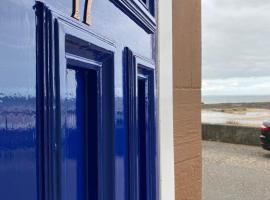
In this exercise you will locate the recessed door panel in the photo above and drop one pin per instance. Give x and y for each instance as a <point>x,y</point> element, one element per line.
<point>80,136</point>
<point>73,147</point>
<point>86,107</point>
<point>140,80</point>
<point>142,138</point>
<point>146,135</point>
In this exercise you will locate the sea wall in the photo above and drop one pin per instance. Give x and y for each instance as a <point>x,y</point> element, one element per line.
<point>231,134</point>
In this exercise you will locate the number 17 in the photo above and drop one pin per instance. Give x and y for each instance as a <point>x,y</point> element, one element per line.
<point>87,11</point>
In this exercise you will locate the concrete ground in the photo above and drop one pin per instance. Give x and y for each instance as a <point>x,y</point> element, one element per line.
<point>235,172</point>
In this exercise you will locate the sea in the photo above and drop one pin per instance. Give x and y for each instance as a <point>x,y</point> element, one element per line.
<point>213,99</point>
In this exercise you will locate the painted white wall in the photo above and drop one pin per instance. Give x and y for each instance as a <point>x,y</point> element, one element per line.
<point>165,90</point>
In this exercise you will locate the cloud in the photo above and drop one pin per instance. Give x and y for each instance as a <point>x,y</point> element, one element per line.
<point>237,86</point>
<point>236,38</point>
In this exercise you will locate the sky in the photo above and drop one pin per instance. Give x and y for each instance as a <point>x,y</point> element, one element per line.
<point>236,47</point>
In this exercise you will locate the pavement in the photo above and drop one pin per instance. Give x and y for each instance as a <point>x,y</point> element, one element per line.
<point>235,172</point>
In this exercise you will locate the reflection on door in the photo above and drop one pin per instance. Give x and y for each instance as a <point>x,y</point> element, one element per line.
<point>80,139</point>
<point>96,123</point>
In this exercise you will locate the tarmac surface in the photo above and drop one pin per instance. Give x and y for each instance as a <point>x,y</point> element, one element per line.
<point>235,172</point>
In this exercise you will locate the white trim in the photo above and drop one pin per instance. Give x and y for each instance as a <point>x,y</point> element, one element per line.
<point>165,89</point>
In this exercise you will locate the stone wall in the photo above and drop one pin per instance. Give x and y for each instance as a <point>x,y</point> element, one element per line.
<point>231,134</point>
<point>187,98</point>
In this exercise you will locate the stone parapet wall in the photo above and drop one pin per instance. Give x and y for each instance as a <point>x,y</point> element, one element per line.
<point>231,134</point>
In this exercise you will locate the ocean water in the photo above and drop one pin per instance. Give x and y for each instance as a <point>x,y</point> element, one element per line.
<point>235,99</point>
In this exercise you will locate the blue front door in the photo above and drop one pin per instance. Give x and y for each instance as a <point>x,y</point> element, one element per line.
<point>89,97</point>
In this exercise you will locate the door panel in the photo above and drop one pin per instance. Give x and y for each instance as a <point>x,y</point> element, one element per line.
<point>142,138</point>
<point>97,130</point>
<point>77,146</point>
<point>73,147</point>
<point>79,141</point>
<point>141,114</point>
<point>87,145</point>
<point>147,138</point>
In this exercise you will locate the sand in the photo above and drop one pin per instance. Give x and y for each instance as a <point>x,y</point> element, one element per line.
<point>242,114</point>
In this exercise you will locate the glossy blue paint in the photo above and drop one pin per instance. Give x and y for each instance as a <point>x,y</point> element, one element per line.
<point>141,115</point>
<point>72,140</point>
<point>44,151</point>
<point>18,178</point>
<point>142,11</point>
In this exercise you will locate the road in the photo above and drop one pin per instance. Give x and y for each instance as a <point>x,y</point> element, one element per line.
<point>235,172</point>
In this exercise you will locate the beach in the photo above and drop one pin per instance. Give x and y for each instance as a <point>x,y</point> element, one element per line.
<point>240,114</point>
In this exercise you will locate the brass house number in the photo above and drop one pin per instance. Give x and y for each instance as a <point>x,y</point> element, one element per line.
<point>87,11</point>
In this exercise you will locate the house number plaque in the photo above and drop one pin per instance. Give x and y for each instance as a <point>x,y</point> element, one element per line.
<point>87,11</point>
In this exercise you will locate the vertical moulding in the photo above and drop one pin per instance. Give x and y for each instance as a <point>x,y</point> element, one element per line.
<point>165,104</point>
